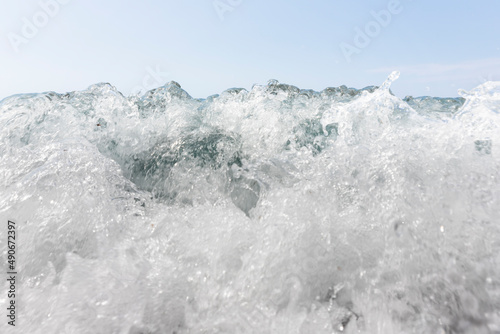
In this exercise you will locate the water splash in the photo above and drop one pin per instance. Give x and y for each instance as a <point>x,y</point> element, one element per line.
<point>390,79</point>
<point>274,210</point>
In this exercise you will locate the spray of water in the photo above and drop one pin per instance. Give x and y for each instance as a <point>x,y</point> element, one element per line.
<point>274,210</point>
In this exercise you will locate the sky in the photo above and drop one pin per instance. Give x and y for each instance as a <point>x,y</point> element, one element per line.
<point>209,46</point>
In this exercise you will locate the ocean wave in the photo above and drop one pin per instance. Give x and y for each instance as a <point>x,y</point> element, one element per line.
<point>274,210</point>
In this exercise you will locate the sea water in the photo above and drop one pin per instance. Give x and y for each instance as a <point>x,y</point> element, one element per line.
<point>274,210</point>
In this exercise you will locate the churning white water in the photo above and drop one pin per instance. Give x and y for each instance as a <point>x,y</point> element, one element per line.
<point>274,210</point>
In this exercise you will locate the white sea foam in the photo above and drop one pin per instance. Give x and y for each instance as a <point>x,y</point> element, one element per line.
<point>274,210</point>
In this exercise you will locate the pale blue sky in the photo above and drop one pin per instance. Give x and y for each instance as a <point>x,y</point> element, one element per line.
<point>439,46</point>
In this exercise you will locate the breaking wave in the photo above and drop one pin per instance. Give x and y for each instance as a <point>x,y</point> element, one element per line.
<point>274,210</point>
